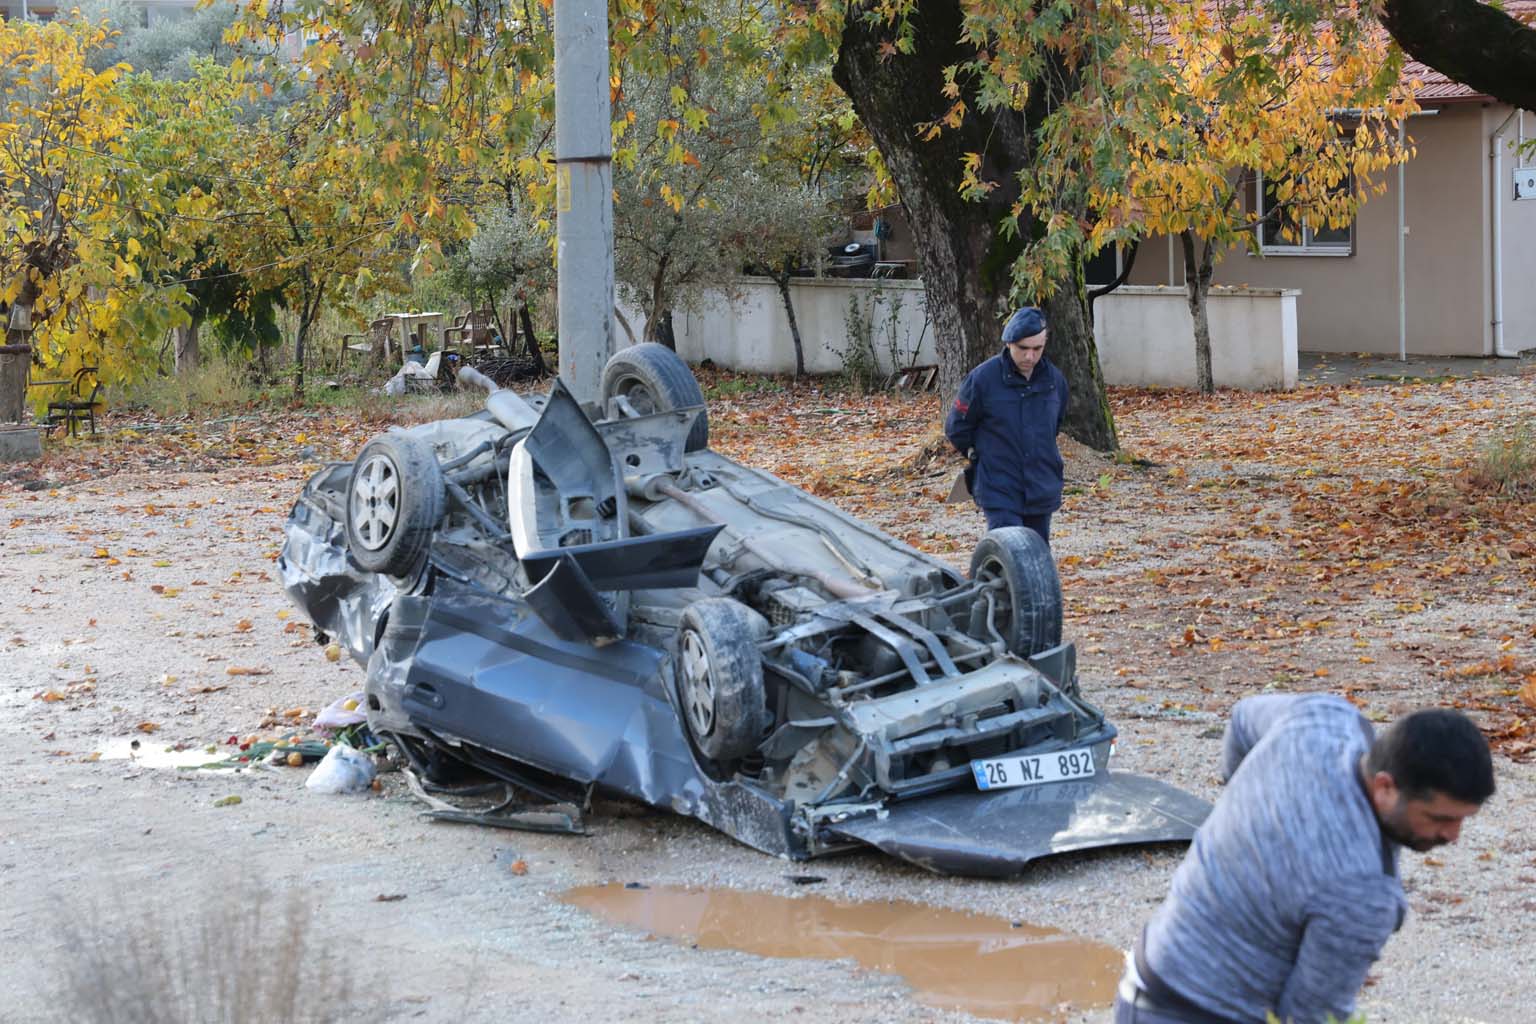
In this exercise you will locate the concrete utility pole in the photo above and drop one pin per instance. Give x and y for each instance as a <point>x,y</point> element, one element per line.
<point>584,166</point>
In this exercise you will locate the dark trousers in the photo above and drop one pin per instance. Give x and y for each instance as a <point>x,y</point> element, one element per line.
<point>1004,517</point>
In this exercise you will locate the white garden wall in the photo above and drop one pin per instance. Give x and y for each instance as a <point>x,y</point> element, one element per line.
<point>752,333</point>
<point>1144,333</point>
<point>1146,337</point>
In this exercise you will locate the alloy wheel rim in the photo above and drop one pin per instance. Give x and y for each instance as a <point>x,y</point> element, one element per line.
<point>698,687</point>
<point>375,502</point>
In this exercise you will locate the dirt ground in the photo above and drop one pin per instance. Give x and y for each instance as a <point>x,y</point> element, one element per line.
<point>1334,538</point>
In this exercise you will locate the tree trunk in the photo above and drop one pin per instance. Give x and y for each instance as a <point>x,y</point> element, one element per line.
<point>15,356</point>
<point>309,312</point>
<point>1088,414</point>
<point>658,328</point>
<point>659,308</point>
<point>188,354</point>
<point>298,356</point>
<point>782,279</point>
<point>16,359</point>
<point>531,340</point>
<point>966,260</point>
<point>1469,42</point>
<point>623,322</point>
<point>501,328</point>
<point>1197,287</point>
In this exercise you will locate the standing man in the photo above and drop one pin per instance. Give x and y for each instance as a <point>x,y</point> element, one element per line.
<point>1005,421</point>
<point>1290,889</point>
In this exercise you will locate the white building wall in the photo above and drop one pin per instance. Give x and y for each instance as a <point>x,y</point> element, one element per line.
<point>1350,302</point>
<point>1517,236</point>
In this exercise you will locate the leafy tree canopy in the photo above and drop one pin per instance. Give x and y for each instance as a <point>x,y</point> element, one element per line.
<point>88,226</point>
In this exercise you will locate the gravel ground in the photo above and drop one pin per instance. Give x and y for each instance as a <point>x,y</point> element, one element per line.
<point>130,596</point>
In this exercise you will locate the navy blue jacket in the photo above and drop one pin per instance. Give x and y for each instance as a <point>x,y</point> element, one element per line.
<point>1012,423</point>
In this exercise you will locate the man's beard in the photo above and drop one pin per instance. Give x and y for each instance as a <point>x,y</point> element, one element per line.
<point>1404,837</point>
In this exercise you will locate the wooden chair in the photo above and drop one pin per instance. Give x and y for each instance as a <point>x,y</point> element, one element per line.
<point>475,332</point>
<point>372,344</point>
<point>79,407</point>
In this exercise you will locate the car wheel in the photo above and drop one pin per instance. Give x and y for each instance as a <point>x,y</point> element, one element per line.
<point>720,678</point>
<point>394,501</point>
<point>1027,610</point>
<point>655,379</point>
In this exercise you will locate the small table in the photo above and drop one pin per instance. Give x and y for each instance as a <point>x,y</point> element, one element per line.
<point>409,326</point>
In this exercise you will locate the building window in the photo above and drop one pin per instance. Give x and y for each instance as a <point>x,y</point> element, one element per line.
<point>1104,267</point>
<point>1282,233</point>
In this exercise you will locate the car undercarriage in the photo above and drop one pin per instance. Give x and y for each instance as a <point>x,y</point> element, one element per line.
<point>591,600</point>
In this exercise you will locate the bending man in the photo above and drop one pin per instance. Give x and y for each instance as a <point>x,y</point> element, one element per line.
<point>1291,889</point>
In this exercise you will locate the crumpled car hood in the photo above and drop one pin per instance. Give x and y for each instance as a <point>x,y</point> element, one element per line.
<point>998,834</point>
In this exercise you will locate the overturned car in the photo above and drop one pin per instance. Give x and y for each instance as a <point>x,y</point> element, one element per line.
<point>578,600</point>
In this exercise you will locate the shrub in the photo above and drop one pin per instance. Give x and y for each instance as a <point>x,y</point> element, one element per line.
<point>1508,464</point>
<point>240,956</point>
<point>222,382</point>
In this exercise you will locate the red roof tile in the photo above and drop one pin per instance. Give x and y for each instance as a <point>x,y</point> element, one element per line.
<point>1435,88</point>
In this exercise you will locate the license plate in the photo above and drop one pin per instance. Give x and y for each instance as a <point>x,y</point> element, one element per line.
<point>1032,769</point>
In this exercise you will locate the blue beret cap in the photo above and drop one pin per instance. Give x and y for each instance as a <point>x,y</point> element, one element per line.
<point>1026,323</point>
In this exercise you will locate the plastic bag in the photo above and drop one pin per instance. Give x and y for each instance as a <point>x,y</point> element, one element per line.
<point>341,770</point>
<point>338,716</point>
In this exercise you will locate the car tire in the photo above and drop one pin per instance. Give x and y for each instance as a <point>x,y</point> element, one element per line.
<point>720,678</point>
<point>394,501</point>
<point>1029,609</point>
<point>655,379</point>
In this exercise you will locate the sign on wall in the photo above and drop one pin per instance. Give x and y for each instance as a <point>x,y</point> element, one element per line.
<point>1525,182</point>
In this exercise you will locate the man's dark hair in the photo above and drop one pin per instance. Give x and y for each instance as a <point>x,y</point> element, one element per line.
<point>1435,751</point>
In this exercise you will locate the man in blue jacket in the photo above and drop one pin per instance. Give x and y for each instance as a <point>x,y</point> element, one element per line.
<point>1005,421</point>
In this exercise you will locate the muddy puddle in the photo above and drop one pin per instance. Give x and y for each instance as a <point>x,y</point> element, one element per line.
<point>987,966</point>
<point>150,754</point>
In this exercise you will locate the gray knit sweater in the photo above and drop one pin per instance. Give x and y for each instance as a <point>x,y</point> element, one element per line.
<point>1290,889</point>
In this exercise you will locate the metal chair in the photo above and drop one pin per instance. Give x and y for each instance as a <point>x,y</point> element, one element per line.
<point>79,407</point>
